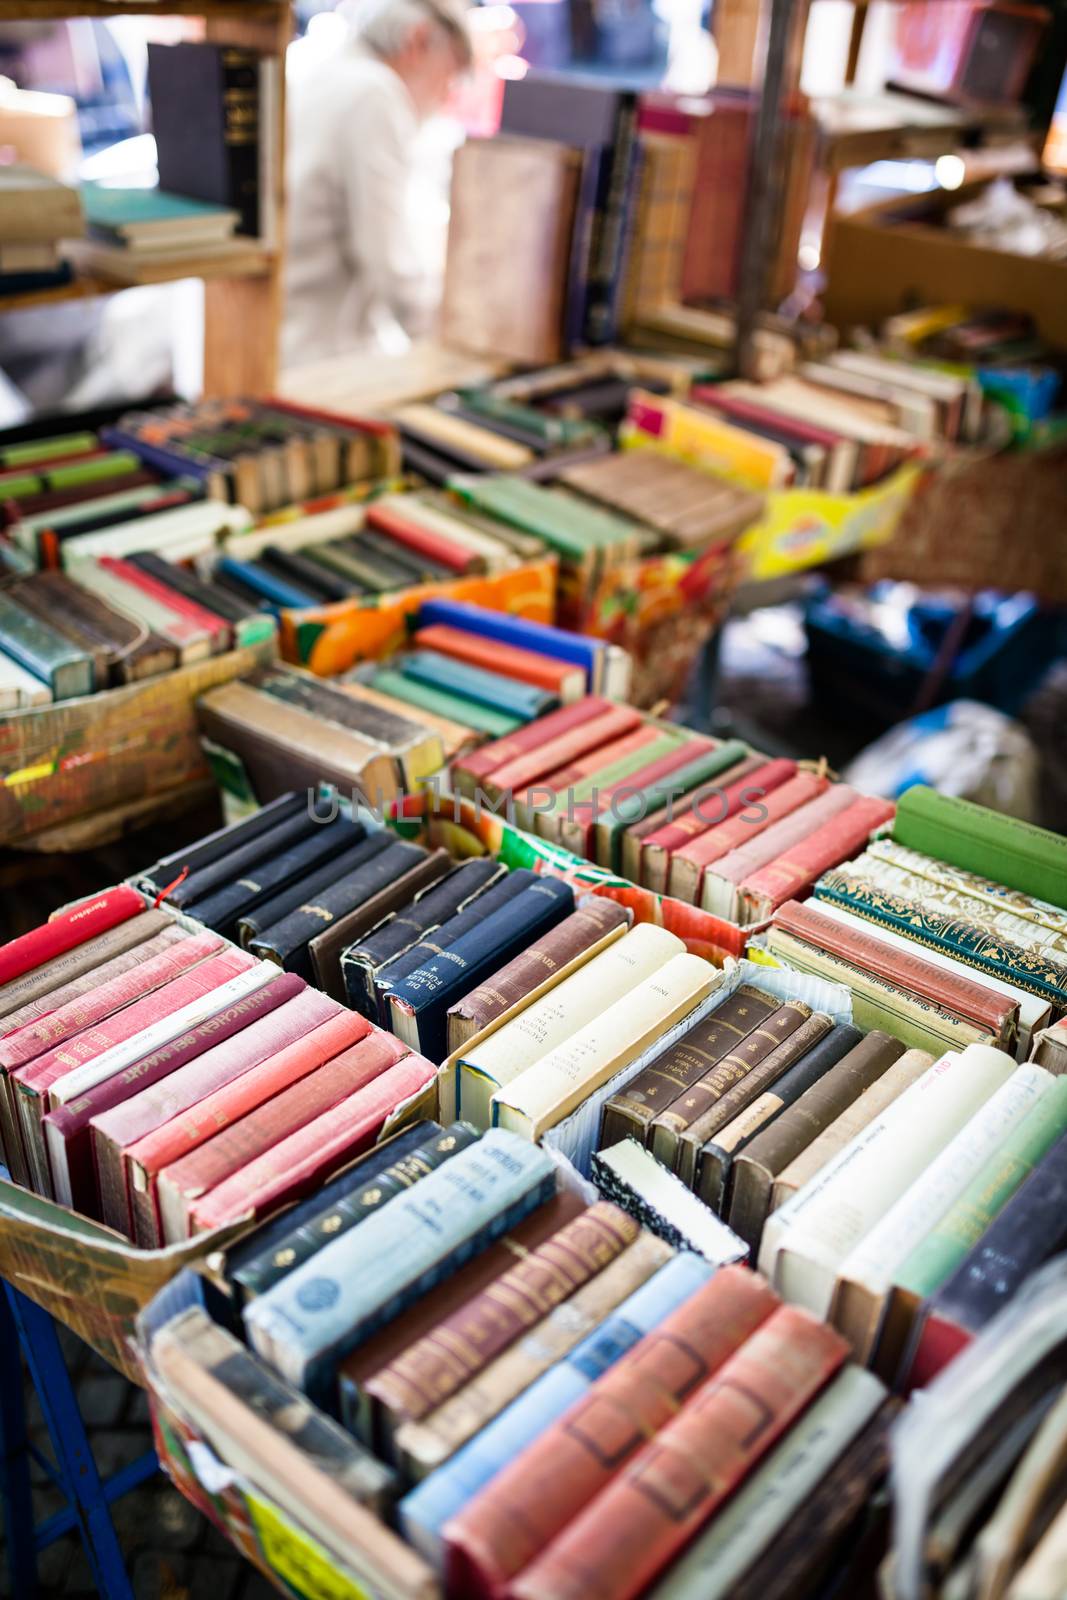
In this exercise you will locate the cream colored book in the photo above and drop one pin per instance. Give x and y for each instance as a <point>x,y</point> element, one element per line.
<point>905,1071</point>
<point>423,1446</point>
<point>740,1534</point>
<point>866,1274</point>
<point>1052,918</point>
<point>545,1023</point>
<point>504,455</point>
<point>1034,1012</point>
<point>561,1079</point>
<point>1044,1575</point>
<point>805,1242</point>
<point>494,551</point>
<point>1039,1476</point>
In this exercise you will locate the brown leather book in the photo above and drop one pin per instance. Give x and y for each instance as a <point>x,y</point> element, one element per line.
<point>687,505</point>
<point>735,1083</point>
<point>709,1089</point>
<point>326,948</point>
<point>359,1368</point>
<point>634,1110</point>
<point>435,1367</point>
<point>756,1167</point>
<point>550,958</point>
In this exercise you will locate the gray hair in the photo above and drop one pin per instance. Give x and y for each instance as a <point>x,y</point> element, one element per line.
<point>385,26</point>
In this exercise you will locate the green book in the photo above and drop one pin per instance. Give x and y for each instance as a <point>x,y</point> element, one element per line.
<point>564,522</point>
<point>67,671</point>
<point>69,444</point>
<point>611,829</point>
<point>484,719</point>
<point>112,208</point>
<point>943,1249</point>
<point>1015,853</point>
<point>118,464</point>
<point>576,793</point>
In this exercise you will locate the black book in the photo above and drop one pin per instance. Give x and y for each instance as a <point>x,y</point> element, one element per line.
<point>309,693</point>
<point>226,905</point>
<point>411,568</point>
<point>227,868</point>
<point>240,591</point>
<point>434,906</point>
<point>214,845</point>
<point>205,116</point>
<point>432,462</point>
<point>298,569</point>
<point>268,912</point>
<point>184,582</point>
<point>287,941</point>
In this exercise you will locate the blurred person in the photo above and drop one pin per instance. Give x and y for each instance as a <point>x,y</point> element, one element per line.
<point>357,273</point>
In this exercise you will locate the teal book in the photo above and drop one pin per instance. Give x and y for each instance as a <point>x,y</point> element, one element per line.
<point>110,209</point>
<point>67,671</point>
<point>307,1323</point>
<point>443,703</point>
<point>493,689</point>
<point>572,527</point>
<point>1014,853</point>
<point>424,1512</point>
<point>981,948</point>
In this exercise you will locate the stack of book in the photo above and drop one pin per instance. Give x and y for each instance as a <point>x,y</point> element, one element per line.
<point>131,1040</point>
<point>477,430</point>
<point>37,214</point>
<point>137,235</point>
<point>709,822</point>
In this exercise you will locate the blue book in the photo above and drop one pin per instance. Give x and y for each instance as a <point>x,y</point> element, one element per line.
<point>519,631</point>
<point>418,1004</point>
<point>485,688</point>
<point>173,463</point>
<point>318,1314</point>
<point>424,1512</point>
<point>275,590</point>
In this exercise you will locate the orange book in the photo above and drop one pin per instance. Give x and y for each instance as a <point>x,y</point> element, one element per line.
<point>558,677</point>
<point>522,1509</point>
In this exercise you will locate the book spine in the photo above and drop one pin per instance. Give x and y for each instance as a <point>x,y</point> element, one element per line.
<point>67,929</point>
<point>678,1480</point>
<point>784,878</point>
<point>494,689</point>
<point>563,1471</point>
<point>538,671</point>
<point>1025,906</point>
<point>550,755</point>
<point>725,837</point>
<point>241,134</point>
<point>315,1150</point>
<point>286,941</point>
<point>426,1374</point>
<point>263,1272</point>
<point>710,810</point>
<point>473,768</point>
<point>1014,853</point>
<point>403,1251</point>
<point>128,954</point>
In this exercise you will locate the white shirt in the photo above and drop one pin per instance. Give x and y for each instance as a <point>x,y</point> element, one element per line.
<point>353,269</point>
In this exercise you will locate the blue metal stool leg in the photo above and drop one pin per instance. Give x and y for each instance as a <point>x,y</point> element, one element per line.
<point>88,1497</point>
<point>15,1491</point>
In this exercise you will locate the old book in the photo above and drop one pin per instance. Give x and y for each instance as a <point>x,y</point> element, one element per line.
<point>797,869</point>
<point>331,1513</point>
<point>423,1446</point>
<point>484,721</point>
<point>48,654</point>
<point>281,745</point>
<point>430,1371</point>
<point>738,793</point>
<point>401,1251</point>
<point>67,929</point>
<point>272,891</point>
<point>455,737</point>
<point>19,689</point>
<point>689,860</point>
<point>327,948</point>
<point>815,1047</point>
<point>805,1241</point>
<point>303,1159</point>
<point>1050,1049</point>
<point>544,1093</point>
<point>680,1132</point>
<point>575,820</point>
<point>1031,1227</point>
<point>566,733</point>
<point>547,962</point>
<point>688,774</point>
<point>213,846</point>
<point>906,1070</point>
<point>492,1063</point>
<point>116,1134</point>
<point>720,890</point>
<point>866,1274</point>
<point>236,1144</point>
<point>732,1548</point>
<point>566,683</point>
<point>534,187</point>
<point>497,690</point>
<point>638,1183</point>
<point>195,883</point>
<point>687,505</point>
<point>756,1167</point>
<point>558,791</point>
<point>419,1003</point>
<point>1031,1499</point>
<point>344,1207</point>
<point>970,836</point>
<point>575,1458</point>
<point>1050,921</point>
<point>680,1477</point>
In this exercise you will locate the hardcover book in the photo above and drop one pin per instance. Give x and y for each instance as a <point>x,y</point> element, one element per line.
<point>784,878</point>
<point>349,848</point>
<point>742,789</point>
<point>44,652</point>
<point>566,733</point>
<point>689,860</point>
<point>67,929</point>
<point>327,948</point>
<point>642,1186</point>
<point>970,836</point>
<point>720,891</point>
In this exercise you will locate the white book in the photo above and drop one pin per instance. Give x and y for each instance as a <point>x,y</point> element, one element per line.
<point>104,1066</point>
<point>867,1272</point>
<point>544,1024</point>
<point>924,380</point>
<point>632,1177</point>
<point>1034,1013</point>
<point>560,1080</point>
<point>200,524</point>
<point>805,1242</point>
<point>193,644</point>
<point>19,689</point>
<point>740,1534</point>
<point>915,412</point>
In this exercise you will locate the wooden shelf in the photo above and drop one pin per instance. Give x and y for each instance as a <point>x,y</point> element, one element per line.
<point>91,285</point>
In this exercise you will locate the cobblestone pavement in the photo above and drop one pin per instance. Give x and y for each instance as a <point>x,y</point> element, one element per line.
<point>171,1551</point>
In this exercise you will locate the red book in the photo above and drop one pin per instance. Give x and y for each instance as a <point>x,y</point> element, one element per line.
<point>530,1502</point>
<point>471,769</point>
<point>564,779</point>
<point>677,1481</point>
<point>526,666</point>
<point>360,424</point>
<point>49,1031</point>
<point>827,847</point>
<point>658,847</point>
<point>306,1159</point>
<point>238,1143</point>
<point>301,1045</point>
<point>689,860</point>
<point>206,621</point>
<point>115,1132</point>
<point>67,1132</point>
<point>737,409</point>
<point>68,928</point>
<point>968,999</point>
<point>940,1341</point>
<point>447,551</point>
<point>519,774</point>
<point>578,831</point>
